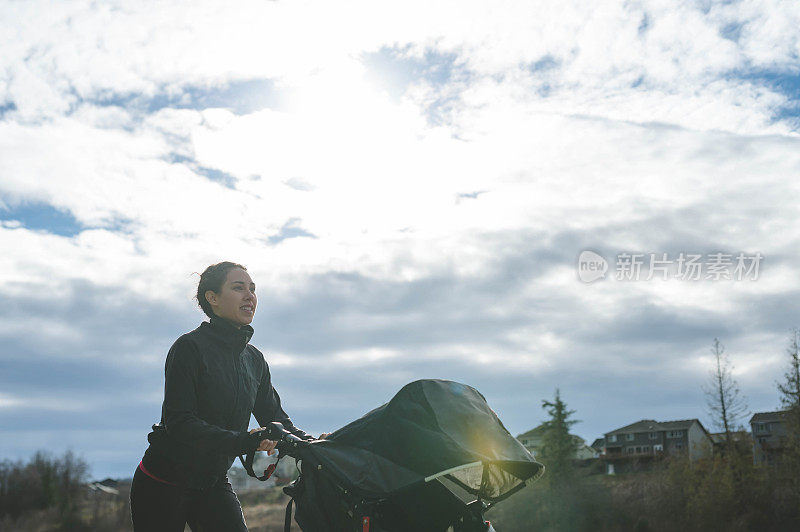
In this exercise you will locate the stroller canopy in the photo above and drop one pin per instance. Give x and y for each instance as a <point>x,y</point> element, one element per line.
<point>430,431</point>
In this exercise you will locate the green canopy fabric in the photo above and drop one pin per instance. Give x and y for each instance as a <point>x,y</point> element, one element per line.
<point>430,431</point>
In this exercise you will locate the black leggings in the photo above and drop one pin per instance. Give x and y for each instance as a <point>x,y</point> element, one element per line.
<point>159,507</point>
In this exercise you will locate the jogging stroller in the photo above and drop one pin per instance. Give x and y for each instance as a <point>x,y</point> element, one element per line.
<point>433,457</point>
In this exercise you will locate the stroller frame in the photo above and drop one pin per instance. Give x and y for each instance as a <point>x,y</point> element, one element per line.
<point>435,456</point>
<point>368,512</point>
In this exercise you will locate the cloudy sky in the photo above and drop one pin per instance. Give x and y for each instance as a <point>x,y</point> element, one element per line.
<point>410,185</point>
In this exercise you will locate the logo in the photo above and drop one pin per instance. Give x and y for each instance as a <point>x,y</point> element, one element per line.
<point>683,266</point>
<point>591,266</point>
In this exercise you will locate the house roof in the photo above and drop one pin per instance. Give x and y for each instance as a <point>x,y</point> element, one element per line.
<point>736,435</point>
<point>651,425</point>
<point>639,426</point>
<point>537,431</point>
<point>761,417</point>
<point>598,443</point>
<point>680,424</point>
<point>577,439</point>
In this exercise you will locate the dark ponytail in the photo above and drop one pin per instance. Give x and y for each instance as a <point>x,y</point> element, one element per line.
<point>212,279</point>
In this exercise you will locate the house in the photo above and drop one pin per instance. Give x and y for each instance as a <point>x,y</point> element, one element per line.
<point>98,488</point>
<point>769,436</point>
<point>533,442</point>
<point>635,446</point>
<point>738,437</point>
<point>597,445</point>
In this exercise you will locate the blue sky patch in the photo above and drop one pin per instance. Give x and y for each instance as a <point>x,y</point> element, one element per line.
<point>470,195</point>
<point>119,225</point>
<point>786,83</point>
<point>441,108</point>
<point>544,63</point>
<point>291,229</point>
<point>394,71</point>
<point>218,176</point>
<point>732,32</point>
<point>213,174</point>
<point>43,217</point>
<point>7,107</point>
<point>644,25</point>
<point>240,97</point>
<point>783,82</point>
<point>540,68</point>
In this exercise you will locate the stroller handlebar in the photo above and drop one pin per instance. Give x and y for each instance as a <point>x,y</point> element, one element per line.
<point>288,445</point>
<point>287,442</point>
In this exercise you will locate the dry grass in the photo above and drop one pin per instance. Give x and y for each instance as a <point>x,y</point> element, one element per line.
<point>263,509</point>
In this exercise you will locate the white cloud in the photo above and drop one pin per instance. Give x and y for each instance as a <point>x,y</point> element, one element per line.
<point>53,404</point>
<point>624,126</point>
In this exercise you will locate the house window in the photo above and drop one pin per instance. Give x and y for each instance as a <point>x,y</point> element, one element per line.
<point>629,437</point>
<point>762,439</point>
<point>524,442</point>
<point>762,427</point>
<point>630,450</point>
<point>675,434</point>
<point>645,448</point>
<point>658,447</point>
<point>653,435</point>
<point>679,446</point>
<point>612,438</point>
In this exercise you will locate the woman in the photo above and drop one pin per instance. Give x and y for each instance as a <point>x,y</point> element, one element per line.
<point>214,380</point>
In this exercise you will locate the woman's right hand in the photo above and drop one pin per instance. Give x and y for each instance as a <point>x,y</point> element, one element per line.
<point>265,445</point>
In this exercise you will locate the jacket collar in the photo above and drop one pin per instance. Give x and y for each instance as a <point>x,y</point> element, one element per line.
<point>230,333</point>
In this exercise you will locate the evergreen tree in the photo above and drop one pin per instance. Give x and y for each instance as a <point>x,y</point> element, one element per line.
<point>726,404</point>
<point>558,445</point>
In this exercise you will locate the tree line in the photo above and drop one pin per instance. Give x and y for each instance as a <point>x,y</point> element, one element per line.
<point>43,483</point>
<point>725,491</point>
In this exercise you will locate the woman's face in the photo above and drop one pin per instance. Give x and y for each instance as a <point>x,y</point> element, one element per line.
<point>236,300</point>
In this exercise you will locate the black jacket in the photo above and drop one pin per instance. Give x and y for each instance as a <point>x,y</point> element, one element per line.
<point>214,379</point>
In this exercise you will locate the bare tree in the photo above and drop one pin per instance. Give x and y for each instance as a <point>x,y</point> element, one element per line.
<point>790,400</point>
<point>790,387</point>
<point>726,404</point>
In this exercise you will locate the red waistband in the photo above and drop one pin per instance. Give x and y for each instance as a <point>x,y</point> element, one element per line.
<point>149,474</point>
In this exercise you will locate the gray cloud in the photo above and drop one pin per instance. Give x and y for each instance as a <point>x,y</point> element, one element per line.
<point>85,365</point>
<point>611,372</point>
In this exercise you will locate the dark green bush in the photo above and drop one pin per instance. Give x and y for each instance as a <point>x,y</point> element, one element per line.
<point>43,482</point>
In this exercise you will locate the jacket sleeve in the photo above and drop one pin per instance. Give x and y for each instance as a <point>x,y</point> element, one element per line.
<point>179,411</point>
<point>268,407</point>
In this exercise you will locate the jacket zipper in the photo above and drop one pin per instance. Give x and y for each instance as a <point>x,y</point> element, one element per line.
<point>236,363</point>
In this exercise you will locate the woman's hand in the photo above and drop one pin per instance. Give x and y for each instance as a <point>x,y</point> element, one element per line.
<point>265,445</point>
